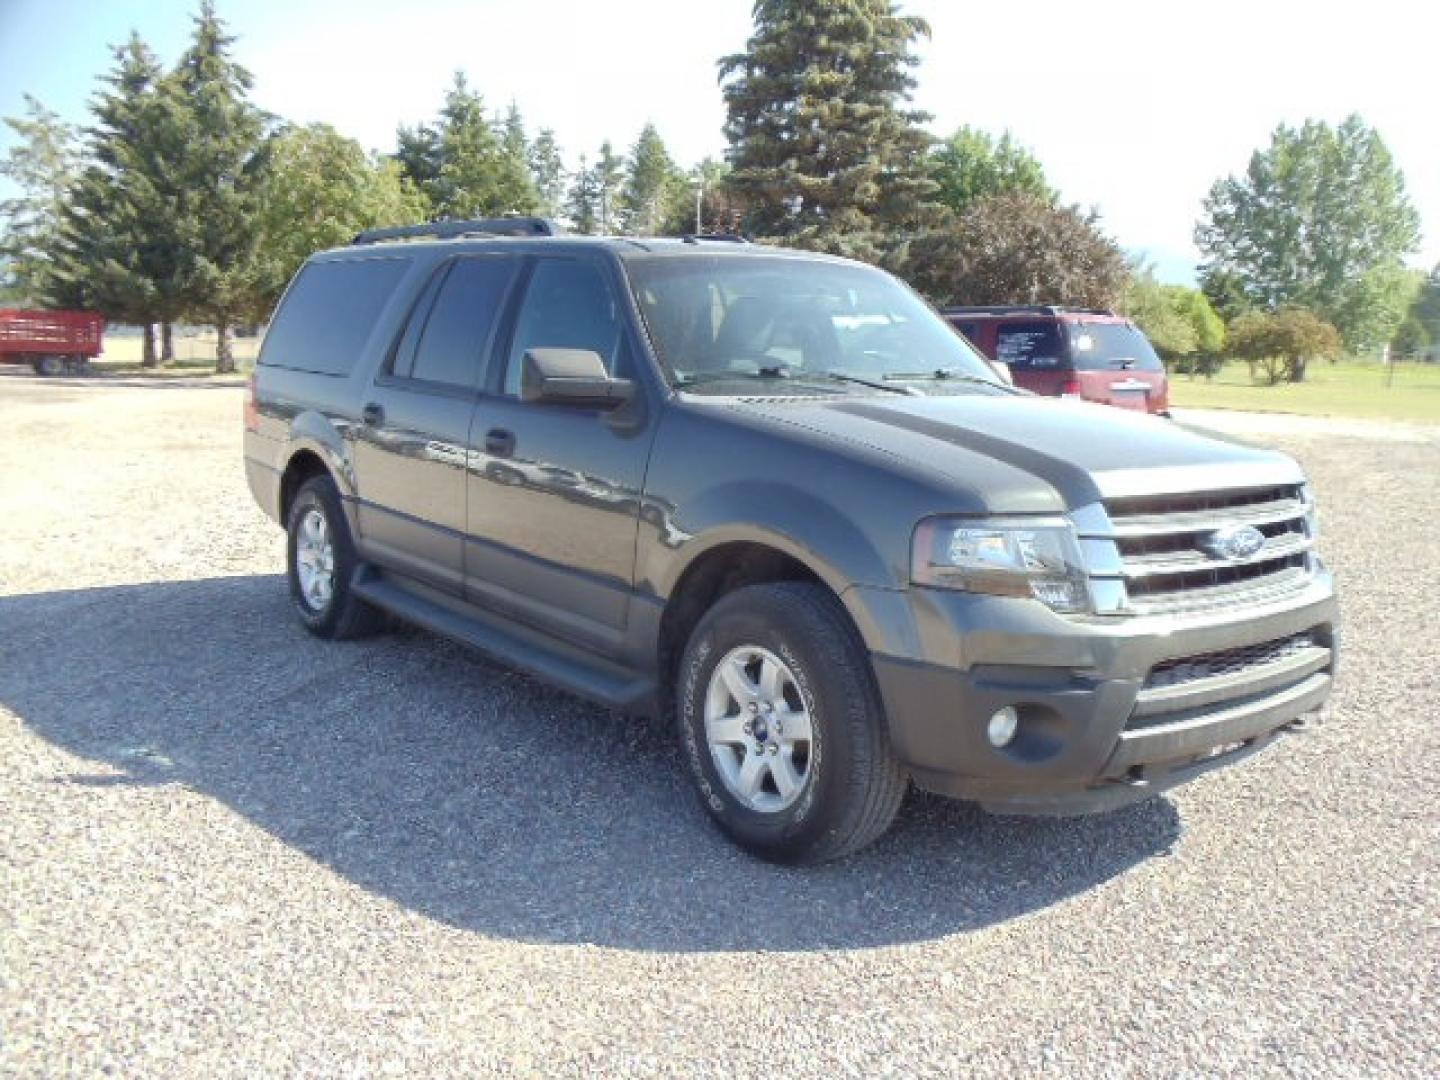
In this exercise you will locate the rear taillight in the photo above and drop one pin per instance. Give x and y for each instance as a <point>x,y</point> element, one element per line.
<point>1070,387</point>
<point>252,410</point>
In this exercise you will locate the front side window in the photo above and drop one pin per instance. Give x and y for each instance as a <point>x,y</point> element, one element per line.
<point>569,304</point>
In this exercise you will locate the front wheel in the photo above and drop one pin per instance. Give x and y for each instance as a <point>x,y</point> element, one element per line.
<point>47,365</point>
<point>781,726</point>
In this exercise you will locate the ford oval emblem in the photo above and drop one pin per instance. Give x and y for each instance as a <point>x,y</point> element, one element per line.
<point>1234,542</point>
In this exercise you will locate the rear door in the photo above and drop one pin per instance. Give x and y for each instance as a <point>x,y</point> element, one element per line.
<point>410,450</point>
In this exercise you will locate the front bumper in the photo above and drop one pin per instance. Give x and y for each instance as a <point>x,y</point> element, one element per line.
<point>1093,733</point>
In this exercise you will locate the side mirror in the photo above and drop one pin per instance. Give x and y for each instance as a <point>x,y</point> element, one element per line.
<point>571,377</point>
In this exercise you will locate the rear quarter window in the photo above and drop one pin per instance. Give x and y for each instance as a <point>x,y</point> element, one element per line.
<point>1034,346</point>
<point>329,312</point>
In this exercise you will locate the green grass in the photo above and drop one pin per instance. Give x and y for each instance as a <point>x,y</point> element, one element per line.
<point>1357,390</point>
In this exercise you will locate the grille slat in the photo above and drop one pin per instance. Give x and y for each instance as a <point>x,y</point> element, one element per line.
<point>1165,566</point>
<point>1186,669</point>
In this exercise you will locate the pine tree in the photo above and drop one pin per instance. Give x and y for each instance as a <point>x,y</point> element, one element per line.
<point>516,184</point>
<point>42,163</point>
<point>547,171</point>
<point>583,207</point>
<point>822,145</point>
<point>223,169</point>
<point>653,186</point>
<point>418,155</point>
<point>117,247</point>
<point>609,184</point>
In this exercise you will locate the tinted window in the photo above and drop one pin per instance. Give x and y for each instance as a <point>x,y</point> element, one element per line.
<point>1032,345</point>
<point>1111,347</point>
<point>452,345</point>
<point>569,305</point>
<point>329,312</point>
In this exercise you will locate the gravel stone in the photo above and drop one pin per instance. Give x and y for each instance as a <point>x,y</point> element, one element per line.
<point>229,849</point>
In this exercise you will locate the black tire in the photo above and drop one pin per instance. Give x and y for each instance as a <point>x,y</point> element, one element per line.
<point>344,615</point>
<point>854,785</point>
<point>48,366</point>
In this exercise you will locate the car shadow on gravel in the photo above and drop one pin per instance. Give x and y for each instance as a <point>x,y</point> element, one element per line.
<point>478,797</point>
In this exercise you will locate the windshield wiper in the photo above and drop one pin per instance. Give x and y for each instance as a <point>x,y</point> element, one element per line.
<point>694,378</point>
<point>944,375</point>
<point>874,384</point>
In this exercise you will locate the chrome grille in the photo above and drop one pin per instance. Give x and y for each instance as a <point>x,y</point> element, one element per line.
<point>1147,554</point>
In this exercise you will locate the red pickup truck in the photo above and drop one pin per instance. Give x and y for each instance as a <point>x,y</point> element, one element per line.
<point>50,341</point>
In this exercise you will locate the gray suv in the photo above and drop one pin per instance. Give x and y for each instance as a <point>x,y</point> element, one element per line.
<point>774,495</point>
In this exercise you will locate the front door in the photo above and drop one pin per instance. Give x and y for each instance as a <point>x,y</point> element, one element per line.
<point>410,450</point>
<point>554,490</point>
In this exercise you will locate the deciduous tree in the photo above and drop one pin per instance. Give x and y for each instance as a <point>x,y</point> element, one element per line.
<point>1017,249</point>
<point>972,164</point>
<point>1281,344</point>
<point>1321,219</point>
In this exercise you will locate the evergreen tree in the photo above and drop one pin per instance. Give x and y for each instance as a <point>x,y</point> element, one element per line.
<point>515,180</point>
<point>42,163</point>
<point>117,248</point>
<point>547,172</point>
<point>223,173</point>
<point>583,207</point>
<point>653,186</point>
<point>821,142</point>
<point>418,156</point>
<point>609,186</point>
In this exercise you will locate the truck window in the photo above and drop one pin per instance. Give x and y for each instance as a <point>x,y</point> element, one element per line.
<point>1030,345</point>
<point>454,342</point>
<point>569,305</point>
<point>329,312</point>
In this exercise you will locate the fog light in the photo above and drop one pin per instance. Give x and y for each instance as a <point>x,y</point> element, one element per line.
<point>1001,728</point>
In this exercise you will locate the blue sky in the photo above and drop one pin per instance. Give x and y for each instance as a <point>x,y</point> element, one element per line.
<point>1135,108</point>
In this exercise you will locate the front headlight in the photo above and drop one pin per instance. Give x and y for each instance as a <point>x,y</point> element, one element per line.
<point>1035,557</point>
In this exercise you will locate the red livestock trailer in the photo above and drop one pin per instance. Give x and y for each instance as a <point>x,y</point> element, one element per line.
<point>50,341</point>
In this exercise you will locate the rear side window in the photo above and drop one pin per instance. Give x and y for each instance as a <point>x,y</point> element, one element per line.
<point>329,312</point>
<point>452,345</point>
<point>1031,345</point>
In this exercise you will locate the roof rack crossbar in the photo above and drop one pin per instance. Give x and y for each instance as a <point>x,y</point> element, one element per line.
<point>1022,309</point>
<point>445,230</point>
<point>727,238</point>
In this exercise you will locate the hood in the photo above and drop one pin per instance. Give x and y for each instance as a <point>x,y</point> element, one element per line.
<point>991,445</point>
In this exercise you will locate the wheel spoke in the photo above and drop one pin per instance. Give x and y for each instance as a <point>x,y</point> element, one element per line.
<point>727,729</point>
<point>737,682</point>
<point>782,768</point>
<point>794,725</point>
<point>771,680</point>
<point>752,772</point>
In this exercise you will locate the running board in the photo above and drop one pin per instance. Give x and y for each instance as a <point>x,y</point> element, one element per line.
<point>514,645</point>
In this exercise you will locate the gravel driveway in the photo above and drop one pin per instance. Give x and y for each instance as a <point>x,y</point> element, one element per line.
<point>229,849</point>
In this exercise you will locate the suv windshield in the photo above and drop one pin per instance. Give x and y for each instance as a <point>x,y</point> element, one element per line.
<point>1099,346</point>
<point>717,319</point>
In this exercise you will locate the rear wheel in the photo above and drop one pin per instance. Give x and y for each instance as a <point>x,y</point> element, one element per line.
<point>321,563</point>
<point>781,726</point>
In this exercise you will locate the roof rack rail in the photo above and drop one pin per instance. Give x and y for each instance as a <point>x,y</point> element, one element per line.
<point>727,238</point>
<point>1022,309</point>
<point>445,230</point>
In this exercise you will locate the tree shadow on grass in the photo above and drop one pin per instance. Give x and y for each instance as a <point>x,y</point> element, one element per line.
<point>481,798</point>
